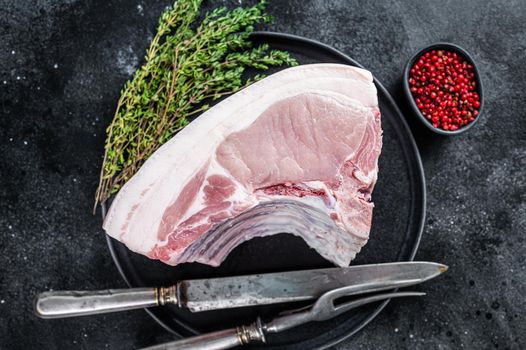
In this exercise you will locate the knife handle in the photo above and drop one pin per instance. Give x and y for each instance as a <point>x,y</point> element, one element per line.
<point>59,304</point>
<point>219,340</point>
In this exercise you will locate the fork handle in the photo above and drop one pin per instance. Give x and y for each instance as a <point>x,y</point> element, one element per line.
<point>219,340</point>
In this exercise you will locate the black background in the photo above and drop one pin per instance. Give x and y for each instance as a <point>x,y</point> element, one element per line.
<point>62,64</point>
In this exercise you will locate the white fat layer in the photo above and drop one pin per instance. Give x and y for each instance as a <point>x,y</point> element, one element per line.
<point>170,168</point>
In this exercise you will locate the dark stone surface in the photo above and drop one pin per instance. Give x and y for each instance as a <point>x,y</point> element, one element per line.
<point>62,64</point>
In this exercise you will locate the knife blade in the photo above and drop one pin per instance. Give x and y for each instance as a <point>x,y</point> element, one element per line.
<point>230,292</point>
<point>272,288</point>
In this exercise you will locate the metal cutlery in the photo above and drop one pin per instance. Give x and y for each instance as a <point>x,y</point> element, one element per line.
<point>230,292</point>
<point>326,307</point>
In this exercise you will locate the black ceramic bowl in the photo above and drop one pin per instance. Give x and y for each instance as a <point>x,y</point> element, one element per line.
<point>412,103</point>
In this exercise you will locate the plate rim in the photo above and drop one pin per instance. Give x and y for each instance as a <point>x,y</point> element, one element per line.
<point>261,35</point>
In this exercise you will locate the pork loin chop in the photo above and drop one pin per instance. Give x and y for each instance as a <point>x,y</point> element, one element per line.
<point>295,152</point>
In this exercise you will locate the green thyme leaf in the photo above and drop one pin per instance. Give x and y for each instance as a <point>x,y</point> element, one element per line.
<point>186,65</point>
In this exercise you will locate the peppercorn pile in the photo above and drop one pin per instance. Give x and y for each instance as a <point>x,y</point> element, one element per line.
<point>444,88</point>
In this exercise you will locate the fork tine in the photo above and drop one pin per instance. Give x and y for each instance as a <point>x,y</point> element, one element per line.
<point>326,308</point>
<point>325,300</point>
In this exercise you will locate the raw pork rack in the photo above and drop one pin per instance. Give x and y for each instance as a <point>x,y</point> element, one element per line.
<point>296,152</point>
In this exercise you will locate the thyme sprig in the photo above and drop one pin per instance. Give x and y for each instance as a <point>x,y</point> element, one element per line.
<point>186,65</point>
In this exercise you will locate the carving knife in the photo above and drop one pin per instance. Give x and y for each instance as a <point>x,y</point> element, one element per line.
<point>231,292</point>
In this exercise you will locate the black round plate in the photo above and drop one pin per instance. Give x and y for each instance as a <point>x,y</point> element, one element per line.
<point>398,219</point>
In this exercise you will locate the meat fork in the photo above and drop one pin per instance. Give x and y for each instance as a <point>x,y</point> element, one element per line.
<point>326,307</point>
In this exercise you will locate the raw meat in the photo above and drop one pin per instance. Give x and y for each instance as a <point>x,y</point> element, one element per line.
<point>295,152</point>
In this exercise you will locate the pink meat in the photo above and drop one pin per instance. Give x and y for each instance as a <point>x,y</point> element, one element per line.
<point>298,147</point>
